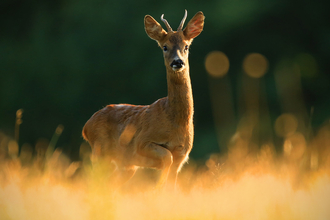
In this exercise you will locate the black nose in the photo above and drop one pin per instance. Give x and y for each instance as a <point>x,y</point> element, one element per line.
<point>177,64</point>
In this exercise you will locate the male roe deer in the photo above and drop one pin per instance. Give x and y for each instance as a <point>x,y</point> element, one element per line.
<point>159,135</point>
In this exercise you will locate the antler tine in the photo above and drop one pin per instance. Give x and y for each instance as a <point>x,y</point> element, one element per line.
<point>166,23</point>
<point>183,20</point>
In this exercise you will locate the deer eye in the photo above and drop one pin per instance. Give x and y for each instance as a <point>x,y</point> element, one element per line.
<point>165,48</point>
<point>186,48</point>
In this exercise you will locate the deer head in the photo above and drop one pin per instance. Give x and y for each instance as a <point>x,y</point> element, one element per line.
<point>175,44</point>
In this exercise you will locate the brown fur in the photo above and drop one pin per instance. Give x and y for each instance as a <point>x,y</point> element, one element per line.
<point>159,135</point>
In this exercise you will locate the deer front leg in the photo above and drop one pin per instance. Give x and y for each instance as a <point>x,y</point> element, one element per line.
<point>153,155</point>
<point>173,174</point>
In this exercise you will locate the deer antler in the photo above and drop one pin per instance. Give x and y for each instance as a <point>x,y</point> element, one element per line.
<point>183,20</point>
<point>166,23</point>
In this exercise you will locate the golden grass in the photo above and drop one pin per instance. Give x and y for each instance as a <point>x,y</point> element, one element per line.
<point>239,185</point>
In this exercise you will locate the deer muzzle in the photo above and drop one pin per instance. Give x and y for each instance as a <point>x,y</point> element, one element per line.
<point>177,64</point>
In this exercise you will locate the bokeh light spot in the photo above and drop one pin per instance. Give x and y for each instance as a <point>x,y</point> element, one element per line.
<point>255,65</point>
<point>286,125</point>
<point>217,64</point>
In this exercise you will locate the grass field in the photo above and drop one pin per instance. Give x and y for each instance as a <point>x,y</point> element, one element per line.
<point>237,185</point>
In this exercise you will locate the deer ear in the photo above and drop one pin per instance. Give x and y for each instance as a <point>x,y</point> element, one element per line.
<point>153,28</point>
<point>195,26</point>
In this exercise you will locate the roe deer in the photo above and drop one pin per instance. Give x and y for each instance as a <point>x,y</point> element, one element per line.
<point>159,135</point>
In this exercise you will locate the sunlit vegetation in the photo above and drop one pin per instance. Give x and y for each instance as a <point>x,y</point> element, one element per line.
<point>241,184</point>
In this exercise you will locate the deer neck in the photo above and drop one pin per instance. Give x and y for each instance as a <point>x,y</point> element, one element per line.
<point>180,98</point>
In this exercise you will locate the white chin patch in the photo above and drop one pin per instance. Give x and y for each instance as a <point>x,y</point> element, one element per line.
<point>176,68</point>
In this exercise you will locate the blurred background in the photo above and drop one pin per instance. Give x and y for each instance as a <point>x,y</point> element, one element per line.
<point>259,69</point>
